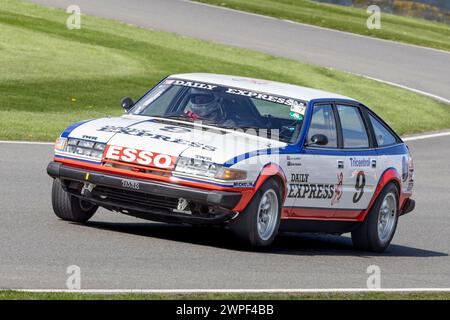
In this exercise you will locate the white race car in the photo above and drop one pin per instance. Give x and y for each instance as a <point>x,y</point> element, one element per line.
<point>256,156</point>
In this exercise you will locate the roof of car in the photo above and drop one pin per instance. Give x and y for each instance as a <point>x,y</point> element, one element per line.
<point>263,86</point>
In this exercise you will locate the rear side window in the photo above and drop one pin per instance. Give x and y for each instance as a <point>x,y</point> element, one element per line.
<point>354,132</point>
<point>382,134</point>
<point>323,122</point>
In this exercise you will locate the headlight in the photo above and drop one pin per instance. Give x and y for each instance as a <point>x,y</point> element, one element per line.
<point>85,148</point>
<point>86,144</point>
<point>96,154</point>
<point>196,167</point>
<point>208,169</point>
<point>60,144</point>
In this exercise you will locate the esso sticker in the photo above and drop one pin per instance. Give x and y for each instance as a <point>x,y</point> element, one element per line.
<point>140,157</point>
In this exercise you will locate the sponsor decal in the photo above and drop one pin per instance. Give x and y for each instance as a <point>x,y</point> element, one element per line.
<point>139,157</point>
<point>359,186</point>
<point>293,161</point>
<point>311,191</point>
<point>299,108</point>
<point>296,116</point>
<point>242,184</point>
<point>152,135</point>
<point>338,189</point>
<point>263,96</point>
<point>299,177</point>
<point>89,137</point>
<point>130,184</point>
<point>360,162</point>
<point>301,189</point>
<point>191,84</point>
<point>204,158</point>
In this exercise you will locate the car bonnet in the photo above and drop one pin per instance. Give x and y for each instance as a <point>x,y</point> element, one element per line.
<point>174,138</point>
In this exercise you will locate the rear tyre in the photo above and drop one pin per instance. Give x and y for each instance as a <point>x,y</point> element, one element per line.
<point>378,229</point>
<point>258,224</point>
<point>68,207</point>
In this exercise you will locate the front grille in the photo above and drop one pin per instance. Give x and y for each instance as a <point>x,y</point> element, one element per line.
<point>134,198</point>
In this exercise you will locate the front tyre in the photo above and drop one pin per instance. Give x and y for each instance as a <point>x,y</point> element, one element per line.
<point>68,207</point>
<point>258,224</point>
<point>378,229</point>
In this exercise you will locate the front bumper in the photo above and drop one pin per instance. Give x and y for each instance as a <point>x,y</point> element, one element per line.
<point>143,196</point>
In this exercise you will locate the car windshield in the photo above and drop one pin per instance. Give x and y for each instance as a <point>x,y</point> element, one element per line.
<point>276,117</point>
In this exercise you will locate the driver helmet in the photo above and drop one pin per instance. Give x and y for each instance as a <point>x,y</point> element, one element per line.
<point>205,104</point>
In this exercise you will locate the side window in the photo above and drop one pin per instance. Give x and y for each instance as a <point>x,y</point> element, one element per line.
<point>382,134</point>
<point>353,130</point>
<point>323,122</point>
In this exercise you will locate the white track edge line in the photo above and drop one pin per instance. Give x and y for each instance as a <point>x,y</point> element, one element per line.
<point>424,93</point>
<point>334,290</point>
<point>426,136</point>
<point>27,142</point>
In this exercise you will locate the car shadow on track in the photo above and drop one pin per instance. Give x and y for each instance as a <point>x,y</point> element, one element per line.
<point>286,243</point>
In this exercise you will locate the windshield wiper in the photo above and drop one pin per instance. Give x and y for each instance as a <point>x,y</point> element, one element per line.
<point>178,117</point>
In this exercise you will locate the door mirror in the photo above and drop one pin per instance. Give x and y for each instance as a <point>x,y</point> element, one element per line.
<point>127,104</point>
<point>319,139</point>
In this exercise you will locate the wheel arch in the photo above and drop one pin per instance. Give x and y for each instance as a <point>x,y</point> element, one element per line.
<point>269,171</point>
<point>390,175</point>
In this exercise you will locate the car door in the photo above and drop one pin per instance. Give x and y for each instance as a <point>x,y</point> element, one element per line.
<point>313,183</point>
<point>360,175</point>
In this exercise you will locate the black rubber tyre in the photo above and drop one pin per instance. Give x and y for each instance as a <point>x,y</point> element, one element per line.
<point>245,226</point>
<point>367,236</point>
<point>68,207</point>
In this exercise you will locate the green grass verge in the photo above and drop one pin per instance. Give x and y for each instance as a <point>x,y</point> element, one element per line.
<point>16,295</point>
<point>51,76</point>
<point>404,29</point>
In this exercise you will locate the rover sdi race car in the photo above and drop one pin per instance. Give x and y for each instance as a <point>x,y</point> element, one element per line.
<point>258,157</point>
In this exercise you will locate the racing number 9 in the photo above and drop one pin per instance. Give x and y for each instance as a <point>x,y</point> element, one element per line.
<point>359,186</point>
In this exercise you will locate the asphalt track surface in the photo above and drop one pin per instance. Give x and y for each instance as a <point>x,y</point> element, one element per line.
<point>415,67</point>
<point>120,252</point>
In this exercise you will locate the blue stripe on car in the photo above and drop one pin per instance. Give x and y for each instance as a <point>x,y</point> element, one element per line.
<point>293,149</point>
<point>72,127</point>
<point>77,159</point>
<point>206,182</point>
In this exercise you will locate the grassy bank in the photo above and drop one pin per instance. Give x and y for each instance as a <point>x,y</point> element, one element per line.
<point>16,295</point>
<point>404,29</point>
<point>51,76</point>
